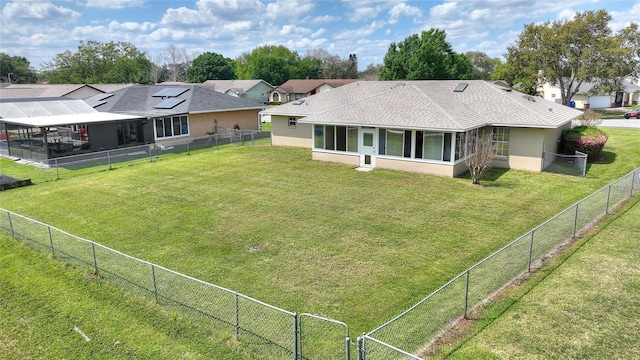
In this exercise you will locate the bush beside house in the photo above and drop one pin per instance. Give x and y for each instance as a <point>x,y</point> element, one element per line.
<point>586,139</point>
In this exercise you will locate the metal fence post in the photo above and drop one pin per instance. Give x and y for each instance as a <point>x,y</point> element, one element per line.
<point>109,160</point>
<point>57,170</point>
<point>633,183</point>
<point>530,251</point>
<point>13,234</point>
<point>295,336</point>
<point>149,150</point>
<point>95,261</point>
<point>360,348</point>
<point>188,151</point>
<point>237,316</point>
<point>348,348</point>
<point>575,221</point>
<point>466,296</point>
<point>155,287</point>
<point>53,252</point>
<point>606,210</point>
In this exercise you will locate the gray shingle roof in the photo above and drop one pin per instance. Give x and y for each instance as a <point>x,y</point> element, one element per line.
<point>138,100</point>
<point>429,104</point>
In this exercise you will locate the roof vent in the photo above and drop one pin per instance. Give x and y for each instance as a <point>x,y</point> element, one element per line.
<point>298,102</point>
<point>460,87</point>
<point>529,97</point>
<point>397,85</point>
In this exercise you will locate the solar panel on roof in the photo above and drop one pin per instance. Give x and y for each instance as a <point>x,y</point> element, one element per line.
<point>170,92</point>
<point>460,87</point>
<point>168,103</point>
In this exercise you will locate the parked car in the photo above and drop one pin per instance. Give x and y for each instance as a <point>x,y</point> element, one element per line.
<point>632,114</point>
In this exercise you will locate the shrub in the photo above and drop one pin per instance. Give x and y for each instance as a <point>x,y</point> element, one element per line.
<point>586,139</point>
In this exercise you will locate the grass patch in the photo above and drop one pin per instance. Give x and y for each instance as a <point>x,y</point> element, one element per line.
<point>581,305</point>
<point>309,236</point>
<point>42,301</point>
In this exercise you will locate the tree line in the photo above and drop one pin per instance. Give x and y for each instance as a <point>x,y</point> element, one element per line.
<point>565,53</point>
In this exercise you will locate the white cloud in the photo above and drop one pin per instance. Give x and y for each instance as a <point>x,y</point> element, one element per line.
<point>38,11</point>
<point>132,27</point>
<point>294,30</point>
<point>114,4</point>
<point>232,10</point>
<point>288,9</point>
<point>402,10</point>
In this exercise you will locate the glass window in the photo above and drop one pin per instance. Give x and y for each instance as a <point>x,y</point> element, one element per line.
<point>184,123</point>
<point>501,140</point>
<point>432,148</point>
<point>446,153</point>
<point>329,133</point>
<point>341,138</point>
<point>418,145</point>
<point>395,142</point>
<point>167,127</point>
<point>382,142</point>
<point>352,139</point>
<point>319,136</point>
<point>159,128</point>
<point>176,125</point>
<point>407,143</point>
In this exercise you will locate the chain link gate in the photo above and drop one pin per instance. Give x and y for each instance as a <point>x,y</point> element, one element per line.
<point>322,338</point>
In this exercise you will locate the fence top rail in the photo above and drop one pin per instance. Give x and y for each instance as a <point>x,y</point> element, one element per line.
<point>148,262</point>
<point>581,155</point>
<point>326,319</point>
<point>365,336</point>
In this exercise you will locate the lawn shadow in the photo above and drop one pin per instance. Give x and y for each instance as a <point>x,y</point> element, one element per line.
<point>489,179</point>
<point>606,157</point>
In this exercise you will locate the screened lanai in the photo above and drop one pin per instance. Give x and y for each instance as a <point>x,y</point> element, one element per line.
<point>44,128</point>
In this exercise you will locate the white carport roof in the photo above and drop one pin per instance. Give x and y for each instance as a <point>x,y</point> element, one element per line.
<point>48,112</point>
<point>61,120</point>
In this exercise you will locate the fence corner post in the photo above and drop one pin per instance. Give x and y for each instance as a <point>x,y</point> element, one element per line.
<point>295,336</point>
<point>466,296</point>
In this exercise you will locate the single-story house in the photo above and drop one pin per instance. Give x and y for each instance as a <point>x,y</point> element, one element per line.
<point>39,129</point>
<point>585,98</point>
<point>255,90</point>
<point>421,126</point>
<point>180,111</point>
<point>297,89</point>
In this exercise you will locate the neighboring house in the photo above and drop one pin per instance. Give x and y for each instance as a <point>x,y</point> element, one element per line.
<point>254,90</point>
<point>39,129</point>
<point>297,89</point>
<point>421,126</point>
<point>585,99</point>
<point>74,91</point>
<point>177,111</point>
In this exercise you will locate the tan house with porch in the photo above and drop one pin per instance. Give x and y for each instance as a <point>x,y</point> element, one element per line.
<point>421,126</point>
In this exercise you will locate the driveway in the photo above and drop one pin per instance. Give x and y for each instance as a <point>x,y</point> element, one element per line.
<point>624,123</point>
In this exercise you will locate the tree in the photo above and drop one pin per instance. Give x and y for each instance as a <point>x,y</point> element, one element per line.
<point>568,53</point>
<point>332,66</point>
<point>97,62</point>
<point>370,73</point>
<point>176,61</point>
<point>480,152</point>
<point>16,70</point>
<point>483,65</point>
<point>428,56</point>
<point>211,66</point>
<point>260,61</point>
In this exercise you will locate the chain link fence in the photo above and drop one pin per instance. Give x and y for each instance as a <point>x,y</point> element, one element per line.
<point>565,164</point>
<point>263,329</point>
<point>417,332</point>
<point>82,164</point>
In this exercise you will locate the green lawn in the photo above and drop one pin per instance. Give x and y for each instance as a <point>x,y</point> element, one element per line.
<point>46,308</point>
<point>302,235</point>
<point>584,305</point>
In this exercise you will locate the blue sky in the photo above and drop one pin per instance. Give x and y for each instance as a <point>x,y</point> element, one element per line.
<point>39,30</point>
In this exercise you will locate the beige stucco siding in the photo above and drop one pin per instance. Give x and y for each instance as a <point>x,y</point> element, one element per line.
<point>199,124</point>
<point>552,138</point>
<point>415,166</point>
<point>348,159</point>
<point>525,149</point>
<point>284,135</point>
